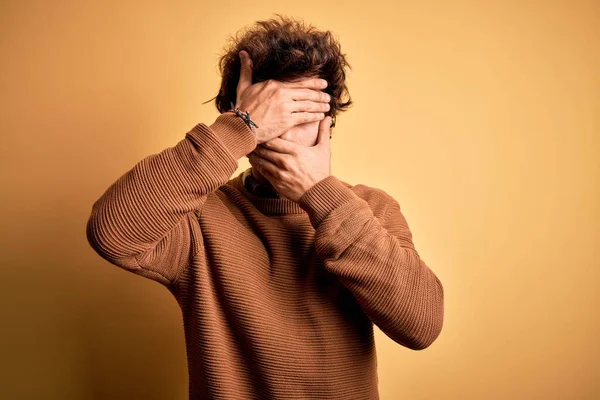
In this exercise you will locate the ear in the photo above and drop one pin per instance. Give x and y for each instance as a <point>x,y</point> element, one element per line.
<point>245,73</point>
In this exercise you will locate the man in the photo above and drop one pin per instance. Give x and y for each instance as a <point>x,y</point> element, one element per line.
<point>281,271</point>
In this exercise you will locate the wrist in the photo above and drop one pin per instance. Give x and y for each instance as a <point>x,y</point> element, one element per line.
<point>245,116</point>
<point>234,134</point>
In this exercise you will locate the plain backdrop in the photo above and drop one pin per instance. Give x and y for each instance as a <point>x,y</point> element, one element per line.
<point>481,118</point>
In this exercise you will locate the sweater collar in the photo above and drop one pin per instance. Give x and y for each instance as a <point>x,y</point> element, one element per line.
<point>267,205</point>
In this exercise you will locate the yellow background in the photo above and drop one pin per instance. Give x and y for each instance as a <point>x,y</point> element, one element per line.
<point>480,118</point>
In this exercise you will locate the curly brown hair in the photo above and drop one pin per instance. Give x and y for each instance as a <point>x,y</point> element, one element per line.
<point>286,49</point>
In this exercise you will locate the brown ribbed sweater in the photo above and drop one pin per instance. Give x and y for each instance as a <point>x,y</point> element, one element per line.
<point>278,298</point>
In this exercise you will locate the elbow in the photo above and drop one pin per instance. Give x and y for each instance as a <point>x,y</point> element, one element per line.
<point>105,244</point>
<point>93,236</point>
<point>424,336</point>
<point>432,326</point>
<point>97,237</point>
<point>425,326</point>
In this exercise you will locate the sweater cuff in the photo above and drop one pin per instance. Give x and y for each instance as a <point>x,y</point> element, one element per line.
<point>235,135</point>
<point>324,197</point>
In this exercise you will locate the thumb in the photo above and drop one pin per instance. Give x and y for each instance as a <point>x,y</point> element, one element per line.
<point>324,132</point>
<point>245,73</point>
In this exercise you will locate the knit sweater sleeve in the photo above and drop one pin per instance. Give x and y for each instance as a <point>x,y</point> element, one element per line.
<point>376,260</point>
<point>145,221</point>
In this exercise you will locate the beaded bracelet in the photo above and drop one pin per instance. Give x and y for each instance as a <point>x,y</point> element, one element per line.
<point>244,116</point>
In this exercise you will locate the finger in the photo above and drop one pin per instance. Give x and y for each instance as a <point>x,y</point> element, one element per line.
<point>307,94</point>
<point>245,73</point>
<point>324,132</point>
<point>270,155</point>
<point>264,166</point>
<point>281,146</point>
<point>299,118</point>
<point>308,83</point>
<point>308,105</point>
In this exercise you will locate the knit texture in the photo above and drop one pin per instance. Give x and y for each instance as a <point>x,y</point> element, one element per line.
<point>278,298</point>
